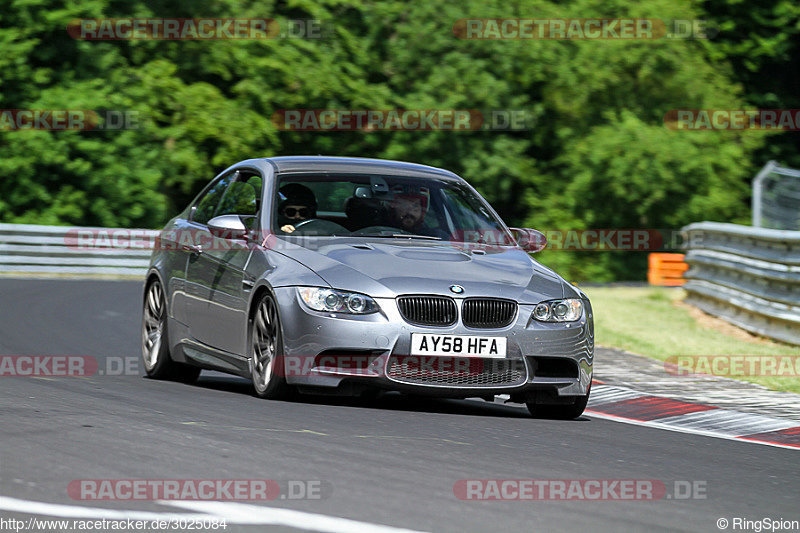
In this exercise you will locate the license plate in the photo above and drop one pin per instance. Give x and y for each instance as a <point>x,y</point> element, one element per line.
<point>463,345</point>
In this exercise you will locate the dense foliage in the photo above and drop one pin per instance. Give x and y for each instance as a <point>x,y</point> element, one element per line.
<point>598,155</point>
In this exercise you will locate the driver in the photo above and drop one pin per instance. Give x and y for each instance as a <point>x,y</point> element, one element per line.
<point>298,204</point>
<point>407,211</point>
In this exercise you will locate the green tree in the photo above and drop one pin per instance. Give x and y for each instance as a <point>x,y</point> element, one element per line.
<point>597,156</point>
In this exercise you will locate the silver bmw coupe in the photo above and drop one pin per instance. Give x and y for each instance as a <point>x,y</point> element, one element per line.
<point>351,276</point>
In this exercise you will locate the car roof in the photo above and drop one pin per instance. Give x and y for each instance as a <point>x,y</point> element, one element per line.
<point>321,163</point>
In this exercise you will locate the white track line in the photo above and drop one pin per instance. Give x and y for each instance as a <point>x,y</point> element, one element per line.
<point>75,511</point>
<point>241,513</point>
<point>717,422</point>
<point>231,512</point>
<point>733,423</point>
<point>678,429</point>
<point>607,394</point>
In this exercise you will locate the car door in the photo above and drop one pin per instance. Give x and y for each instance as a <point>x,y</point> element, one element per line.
<point>183,241</point>
<point>218,314</point>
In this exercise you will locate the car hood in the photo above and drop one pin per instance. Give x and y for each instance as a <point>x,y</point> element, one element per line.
<point>388,268</point>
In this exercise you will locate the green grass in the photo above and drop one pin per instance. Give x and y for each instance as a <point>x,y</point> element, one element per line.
<point>646,321</point>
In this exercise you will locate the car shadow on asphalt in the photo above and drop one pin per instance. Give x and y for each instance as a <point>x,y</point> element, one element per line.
<point>390,401</point>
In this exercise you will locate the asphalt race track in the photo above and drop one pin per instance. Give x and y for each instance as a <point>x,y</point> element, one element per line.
<point>393,462</point>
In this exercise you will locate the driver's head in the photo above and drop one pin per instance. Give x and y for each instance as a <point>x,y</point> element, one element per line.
<point>408,210</point>
<point>298,203</point>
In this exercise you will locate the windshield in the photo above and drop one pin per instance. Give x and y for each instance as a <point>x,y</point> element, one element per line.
<point>384,206</point>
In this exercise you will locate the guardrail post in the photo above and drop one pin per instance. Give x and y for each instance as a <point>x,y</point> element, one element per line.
<point>758,183</point>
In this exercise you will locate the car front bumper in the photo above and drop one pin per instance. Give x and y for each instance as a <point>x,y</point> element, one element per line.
<point>556,357</point>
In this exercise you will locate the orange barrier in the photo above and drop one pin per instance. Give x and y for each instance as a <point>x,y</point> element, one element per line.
<point>666,270</point>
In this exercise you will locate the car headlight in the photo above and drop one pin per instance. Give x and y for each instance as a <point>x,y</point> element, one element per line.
<point>334,301</point>
<point>568,310</point>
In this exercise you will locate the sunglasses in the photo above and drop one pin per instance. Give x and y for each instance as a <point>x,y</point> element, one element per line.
<point>293,211</point>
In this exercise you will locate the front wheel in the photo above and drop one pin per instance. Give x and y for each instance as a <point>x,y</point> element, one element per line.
<point>266,351</point>
<point>560,411</point>
<point>155,342</point>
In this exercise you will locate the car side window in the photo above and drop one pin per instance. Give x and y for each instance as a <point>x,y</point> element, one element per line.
<point>207,205</point>
<point>241,197</point>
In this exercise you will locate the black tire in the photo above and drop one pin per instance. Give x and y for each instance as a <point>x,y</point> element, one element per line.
<point>158,363</point>
<point>560,411</point>
<point>266,351</point>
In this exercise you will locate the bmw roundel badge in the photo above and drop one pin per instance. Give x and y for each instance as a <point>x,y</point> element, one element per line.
<point>458,289</point>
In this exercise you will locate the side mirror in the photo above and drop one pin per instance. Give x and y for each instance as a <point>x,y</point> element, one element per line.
<point>227,227</point>
<point>530,240</point>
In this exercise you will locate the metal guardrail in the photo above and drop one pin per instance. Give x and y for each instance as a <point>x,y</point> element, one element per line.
<point>748,276</point>
<point>41,250</point>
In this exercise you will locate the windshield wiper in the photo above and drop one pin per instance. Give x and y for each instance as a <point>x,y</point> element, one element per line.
<point>399,236</point>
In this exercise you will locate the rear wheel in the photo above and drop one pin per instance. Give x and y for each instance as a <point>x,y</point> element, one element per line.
<point>266,350</point>
<point>560,411</point>
<point>155,342</point>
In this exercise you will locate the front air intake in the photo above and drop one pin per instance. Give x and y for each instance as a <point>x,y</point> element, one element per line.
<point>488,313</point>
<point>428,310</point>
